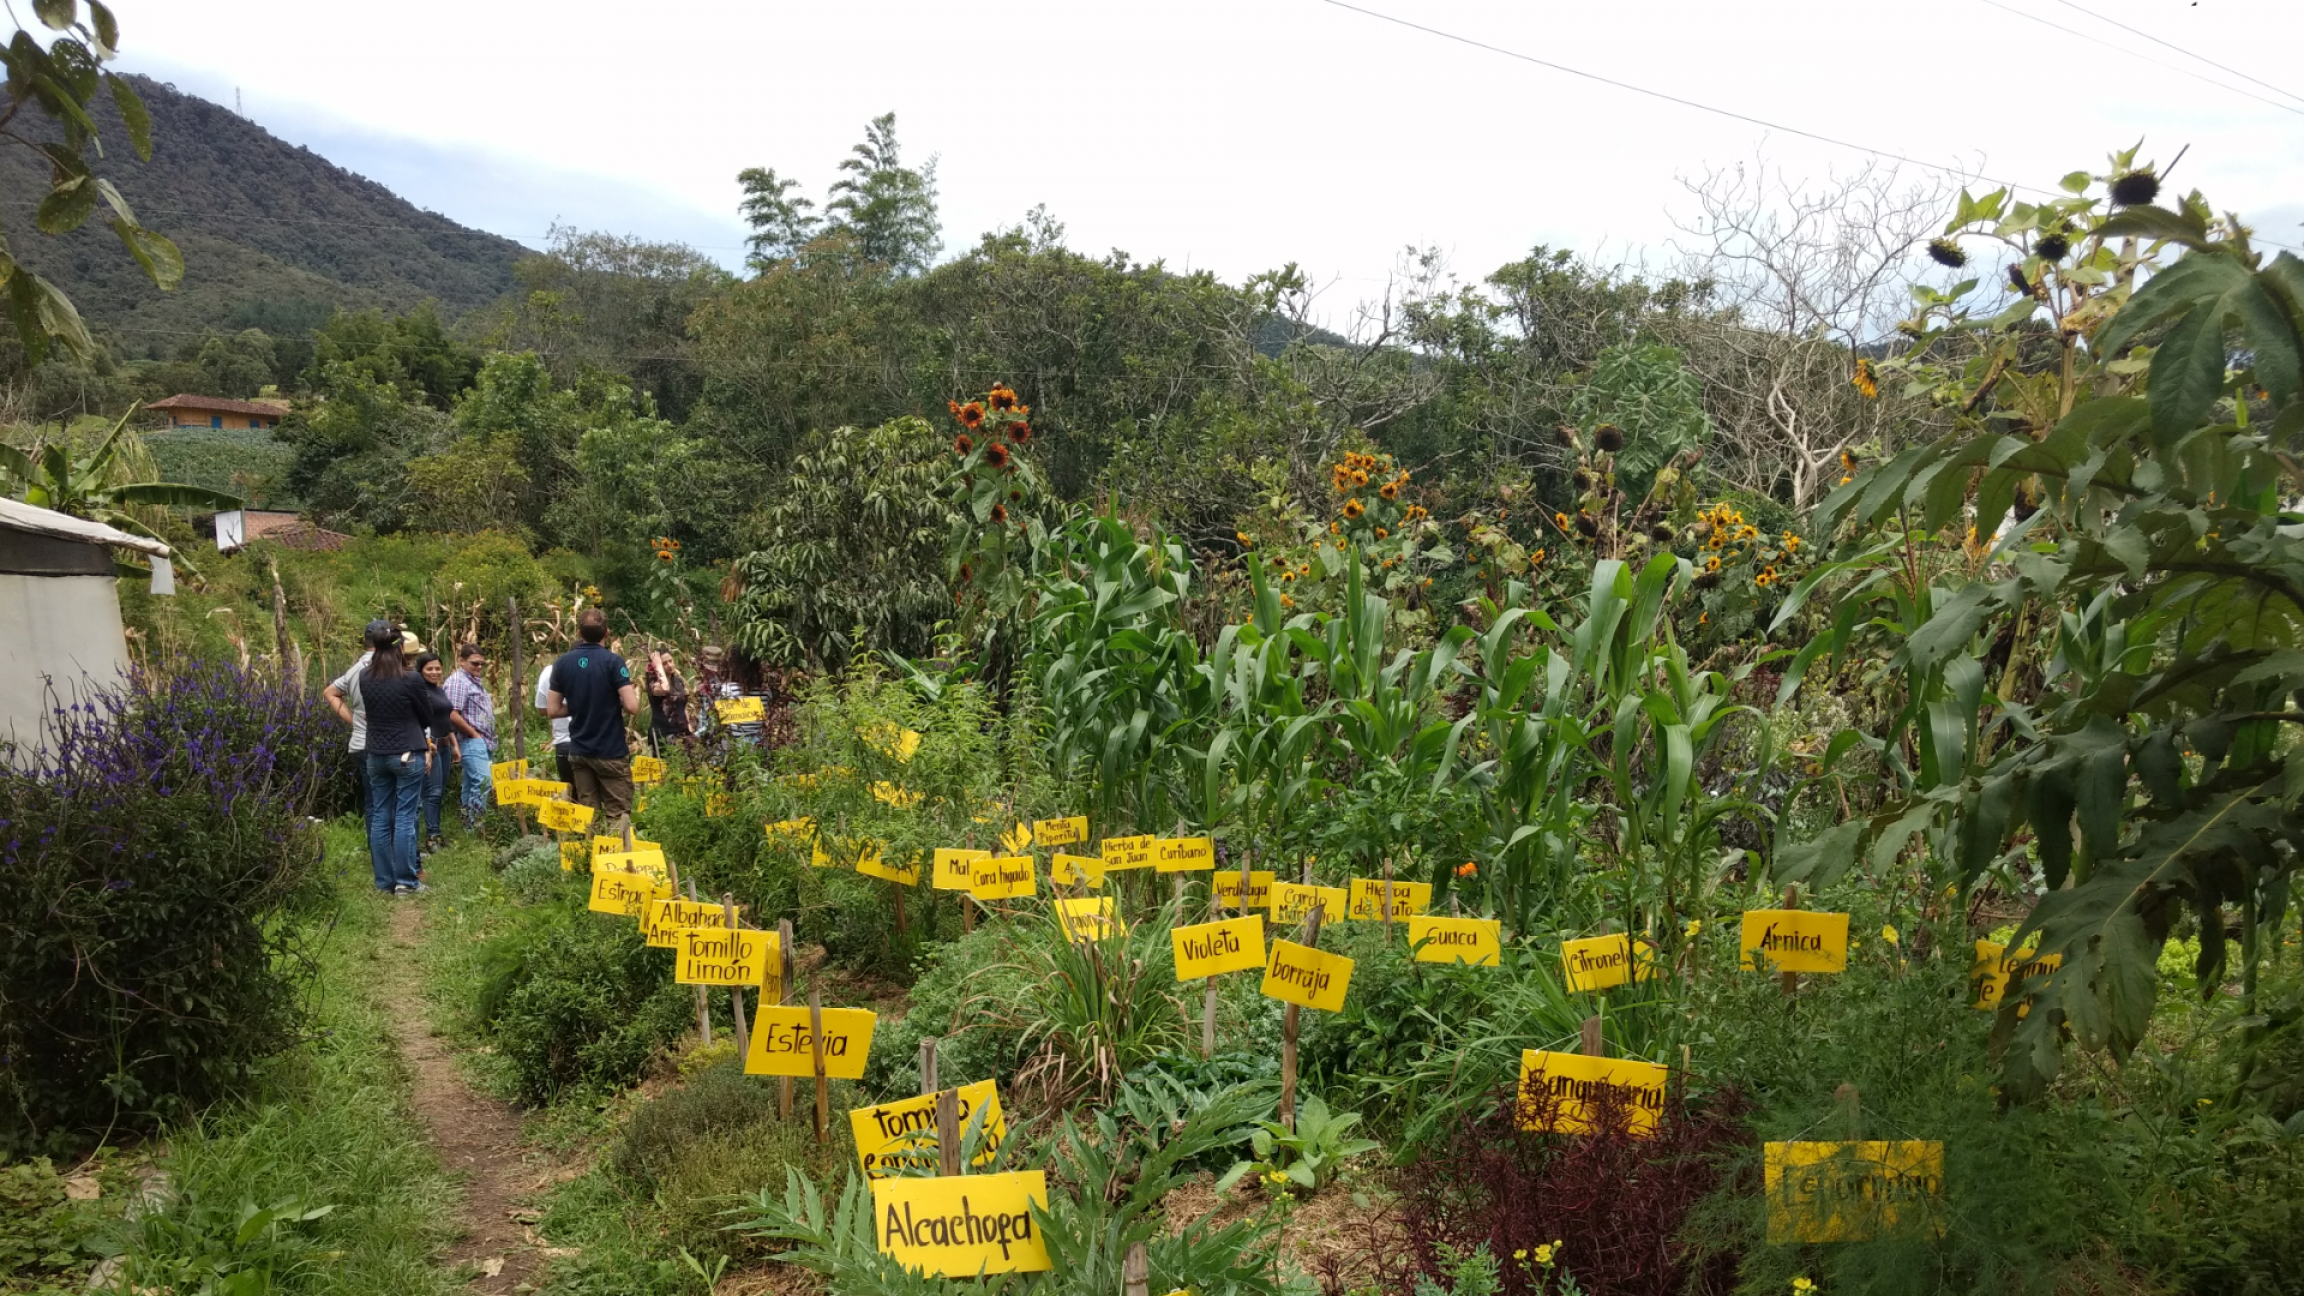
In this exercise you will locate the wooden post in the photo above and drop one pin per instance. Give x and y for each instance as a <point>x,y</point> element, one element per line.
<point>784,996</point>
<point>703,1003</point>
<point>1387,900</point>
<point>816,1055</point>
<point>1592,1044</point>
<point>1288,1029</point>
<point>948,1132</point>
<point>898,887</point>
<point>735,993</point>
<point>1136,1272</point>
<point>1853,1103</point>
<point>519,691</point>
<point>1789,981</point>
<point>928,1083</point>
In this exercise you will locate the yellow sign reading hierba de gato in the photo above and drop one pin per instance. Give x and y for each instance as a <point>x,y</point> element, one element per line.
<point>964,1225</point>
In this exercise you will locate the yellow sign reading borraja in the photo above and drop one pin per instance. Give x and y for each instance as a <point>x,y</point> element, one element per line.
<point>662,920</point>
<point>1478,941</point>
<point>1005,877</point>
<point>626,893</point>
<point>889,1137</point>
<point>1076,870</point>
<point>1565,1093</point>
<point>1212,949</point>
<point>1292,902</point>
<point>780,1042</point>
<point>955,867</point>
<point>1127,853</point>
<point>1183,854</point>
<point>1367,899</point>
<point>1060,832</point>
<point>1849,1192</point>
<point>1309,978</point>
<point>1227,884</point>
<point>1600,962</point>
<point>962,1226</point>
<point>1995,969</point>
<point>724,958</point>
<point>1795,940</point>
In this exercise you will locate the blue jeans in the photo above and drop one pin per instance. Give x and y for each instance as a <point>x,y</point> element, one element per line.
<point>435,791</point>
<point>395,807</point>
<point>477,782</point>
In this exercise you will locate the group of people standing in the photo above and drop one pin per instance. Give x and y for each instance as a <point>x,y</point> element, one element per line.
<point>412,719</point>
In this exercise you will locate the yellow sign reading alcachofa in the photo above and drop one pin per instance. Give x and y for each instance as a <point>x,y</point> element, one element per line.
<point>1005,877</point>
<point>1850,1192</point>
<point>889,1137</point>
<point>1479,941</point>
<point>1367,899</point>
<point>1795,940</point>
<point>1060,832</point>
<point>662,920</point>
<point>1565,1093</point>
<point>719,957</point>
<point>1309,978</point>
<point>1212,949</point>
<point>564,816</point>
<point>1127,853</point>
<point>962,1226</point>
<point>1076,870</point>
<point>1227,884</point>
<point>955,868</point>
<point>1600,962</point>
<point>625,893</point>
<point>1292,902</point>
<point>1183,854</point>
<point>1995,969</point>
<point>780,1042</point>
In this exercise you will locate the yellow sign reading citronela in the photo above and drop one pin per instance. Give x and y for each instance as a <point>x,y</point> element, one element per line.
<point>1060,832</point>
<point>954,867</point>
<point>1076,870</point>
<point>1292,902</point>
<point>625,893</point>
<point>1851,1192</point>
<point>1795,940</point>
<point>1478,941</point>
<point>1995,969</point>
<point>661,920</point>
<point>1566,1093</point>
<point>719,957</point>
<point>1212,949</point>
<point>1227,884</point>
<point>1127,853</point>
<point>780,1042</point>
<point>1367,899</point>
<point>1005,877</point>
<point>965,1225</point>
<point>1602,962</point>
<point>899,1137</point>
<point>1306,977</point>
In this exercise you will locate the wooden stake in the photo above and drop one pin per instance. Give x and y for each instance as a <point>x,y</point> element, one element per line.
<point>1853,1104</point>
<point>1288,1029</point>
<point>928,1083</point>
<point>816,1055</point>
<point>735,994</point>
<point>1136,1272</point>
<point>703,1005</point>
<point>519,691</point>
<point>784,996</point>
<point>1387,904</point>
<point>1593,1045</point>
<point>1789,981</point>
<point>948,1132</point>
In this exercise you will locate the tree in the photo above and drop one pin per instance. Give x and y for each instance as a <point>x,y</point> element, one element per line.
<point>780,219</point>
<point>104,485</point>
<point>888,207</point>
<point>601,303</point>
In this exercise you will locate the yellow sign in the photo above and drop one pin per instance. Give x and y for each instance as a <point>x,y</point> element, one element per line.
<point>647,769</point>
<point>719,957</point>
<point>895,794</point>
<point>741,710</point>
<point>1292,902</point>
<point>1600,962</point>
<point>1060,832</point>
<point>1076,870</point>
<point>564,816</point>
<point>1850,1192</point>
<point>1088,918</point>
<point>780,1042</point>
<point>1227,884</point>
<point>506,771</point>
<point>1408,899</point>
<point>889,1137</point>
<point>1127,853</point>
<point>871,865</point>
<point>570,853</point>
<point>892,742</point>
<point>1795,940</point>
<point>625,893</point>
<point>1995,969</point>
<point>1478,941</point>
<point>962,1226</point>
<point>662,920</point>
<point>1183,854</point>
<point>955,867</point>
<point>649,860</point>
<point>718,804</point>
<point>1212,949</point>
<point>1569,1093</point>
<point>816,856</point>
<point>1004,877</point>
<point>1310,978</point>
<point>796,829</point>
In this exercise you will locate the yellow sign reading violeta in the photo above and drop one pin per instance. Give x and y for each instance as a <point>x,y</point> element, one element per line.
<point>1183,854</point>
<point>1212,949</point>
<point>1479,941</point>
<point>1292,902</point>
<point>1568,1093</point>
<point>662,920</point>
<point>1795,940</point>
<point>1307,977</point>
<point>625,893</point>
<point>1601,962</point>
<point>1227,884</point>
<point>1367,897</point>
<point>1076,870</point>
<point>1851,1192</point>
<point>780,1042</point>
<point>1060,832</point>
<point>1995,969</point>
<point>955,867</point>
<point>719,957</point>
<point>889,1137</point>
<point>1127,853</point>
<point>1005,877</point>
<point>962,1226</point>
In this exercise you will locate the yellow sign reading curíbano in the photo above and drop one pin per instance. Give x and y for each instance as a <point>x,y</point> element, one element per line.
<point>1851,1192</point>
<point>965,1225</point>
<point>1478,941</point>
<point>899,1137</point>
<point>1795,940</point>
<point>626,893</point>
<point>1602,962</point>
<point>1367,899</point>
<point>1227,884</point>
<point>1995,969</point>
<point>1076,870</point>
<point>780,1042</point>
<point>1306,977</point>
<point>1005,877</point>
<point>1060,832</point>
<point>955,867</point>
<point>1569,1093</point>
<point>1292,902</point>
<point>1127,853</point>
<point>1183,854</point>
<point>662,920</point>
<point>719,957</point>
<point>1212,949</point>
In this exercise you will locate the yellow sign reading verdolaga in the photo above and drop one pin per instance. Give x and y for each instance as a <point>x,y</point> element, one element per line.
<point>1227,884</point>
<point>1005,877</point>
<point>1849,1192</point>
<point>1479,941</point>
<point>955,868</point>
<point>1212,949</point>
<point>1367,899</point>
<point>1183,854</point>
<point>1566,1093</point>
<point>1127,853</point>
<point>780,1042</point>
<point>964,1225</point>
<point>1600,962</point>
<point>719,957</point>
<point>1060,832</point>
<point>1293,901</point>
<point>661,920</point>
<point>1307,977</point>
<point>1795,940</point>
<point>626,893</point>
<point>900,1137</point>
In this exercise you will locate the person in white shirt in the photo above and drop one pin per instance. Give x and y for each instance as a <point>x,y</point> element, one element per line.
<point>559,726</point>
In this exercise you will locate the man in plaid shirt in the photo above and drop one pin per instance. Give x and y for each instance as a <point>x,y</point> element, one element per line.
<point>468,695</point>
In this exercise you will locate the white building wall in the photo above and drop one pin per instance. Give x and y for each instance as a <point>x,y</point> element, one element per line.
<point>56,632</point>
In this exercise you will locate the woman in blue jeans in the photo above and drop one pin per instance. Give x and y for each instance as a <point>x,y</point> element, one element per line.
<point>442,732</point>
<point>398,707</point>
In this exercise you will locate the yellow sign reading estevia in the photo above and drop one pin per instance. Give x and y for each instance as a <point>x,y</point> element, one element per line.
<point>1212,949</point>
<point>889,1137</point>
<point>1088,918</point>
<point>1004,877</point>
<point>1568,1093</point>
<point>871,865</point>
<point>1076,870</point>
<point>1601,962</point>
<point>1307,977</point>
<point>1183,854</point>
<point>1995,969</point>
<point>955,867</point>
<point>780,1042</point>
<point>662,920</point>
<point>1367,899</point>
<point>1795,940</point>
<point>564,816</point>
<point>965,1225</point>
<point>1478,941</point>
<point>1292,902</point>
<point>1227,885</point>
<point>625,893</point>
<point>647,769</point>
<point>1851,1192</point>
<point>719,957</point>
<point>1060,832</point>
<point>1127,853</point>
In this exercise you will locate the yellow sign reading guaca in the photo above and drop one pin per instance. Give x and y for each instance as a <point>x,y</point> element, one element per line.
<point>1127,853</point>
<point>1478,941</point>
<point>871,865</point>
<point>780,1044</point>
<point>1995,969</point>
<point>647,769</point>
<point>1076,870</point>
<point>1088,918</point>
<point>1851,1192</point>
<point>1602,962</point>
<point>626,893</point>
<point>662,920</point>
<point>719,957</point>
<point>1569,1093</point>
<point>1367,899</point>
<point>1292,902</point>
<point>1060,832</point>
<point>899,1137</point>
<point>1227,884</point>
<point>1004,877</point>
<point>965,1225</point>
<point>741,710</point>
<point>1795,940</point>
<point>955,867</point>
<point>1307,977</point>
<point>564,816</point>
<point>1183,854</point>
<point>1212,949</point>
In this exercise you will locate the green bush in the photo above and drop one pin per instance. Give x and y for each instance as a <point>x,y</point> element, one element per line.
<point>576,1000</point>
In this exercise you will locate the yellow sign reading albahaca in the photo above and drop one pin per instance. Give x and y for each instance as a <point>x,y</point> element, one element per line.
<point>1088,918</point>
<point>1478,941</point>
<point>899,1137</point>
<point>1227,884</point>
<point>1212,949</point>
<point>1076,870</point>
<point>1005,877</point>
<point>1292,902</point>
<point>719,957</point>
<point>1795,940</point>
<point>1570,1093</point>
<point>965,1225</point>
<point>780,1042</point>
<point>1995,969</point>
<point>871,865</point>
<point>1127,853</point>
<point>1367,899</point>
<point>1060,832</point>
<point>1306,977</point>
<point>955,867</point>
<point>1603,962</point>
<point>662,920</point>
<point>1183,854</point>
<point>625,893</point>
<point>1852,1192</point>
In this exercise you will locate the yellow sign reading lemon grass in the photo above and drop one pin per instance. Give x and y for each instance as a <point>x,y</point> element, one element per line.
<point>1212,949</point>
<point>564,816</point>
<point>780,1044</point>
<point>1478,941</point>
<point>965,1225</point>
<point>1795,940</point>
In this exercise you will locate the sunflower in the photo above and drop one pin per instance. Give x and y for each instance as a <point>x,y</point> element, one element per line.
<point>1287,601</point>
<point>1766,578</point>
<point>962,444</point>
<point>2136,188</point>
<point>1304,570</point>
<point>1359,477</point>
<point>1242,537</point>
<point>1712,564</point>
<point>1002,397</point>
<point>1848,460</point>
<point>1946,253</point>
<point>1383,534</point>
<point>1609,437</point>
<point>1747,532</point>
<point>1289,577</point>
<point>1864,381</point>
<point>1353,508</point>
<point>1020,432</point>
<point>664,555</point>
<point>971,415</point>
<point>999,513</point>
<point>1389,490</point>
<point>996,455</point>
<point>1791,542</point>
<point>1536,559</point>
<point>1587,525</point>
<point>1560,519</point>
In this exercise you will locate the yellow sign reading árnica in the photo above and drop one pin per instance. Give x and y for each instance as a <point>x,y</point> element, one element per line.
<point>1795,940</point>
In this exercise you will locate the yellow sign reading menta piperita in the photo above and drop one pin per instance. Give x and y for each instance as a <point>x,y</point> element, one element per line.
<point>955,867</point>
<point>647,769</point>
<point>1212,949</point>
<point>1227,884</point>
<point>1367,899</point>
<point>1089,918</point>
<point>1995,969</point>
<point>1306,977</point>
<point>740,710</point>
<point>1127,853</point>
<point>962,1226</point>
<point>1076,870</point>
<point>1478,941</point>
<point>871,865</point>
<point>780,1042</point>
<point>564,816</point>
<point>1795,940</point>
<point>1850,1192</point>
<point>724,958</point>
<point>661,920</point>
<point>899,1137</point>
<point>1601,962</point>
<point>1005,877</point>
<point>1060,832</point>
<point>626,893</point>
<point>1292,902</point>
<point>1566,1093</point>
<point>1183,854</point>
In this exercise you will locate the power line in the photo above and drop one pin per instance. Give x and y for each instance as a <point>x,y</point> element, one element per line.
<point>2179,49</point>
<point>2159,63</point>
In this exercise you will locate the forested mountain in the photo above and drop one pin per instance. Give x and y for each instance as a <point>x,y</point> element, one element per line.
<point>274,235</point>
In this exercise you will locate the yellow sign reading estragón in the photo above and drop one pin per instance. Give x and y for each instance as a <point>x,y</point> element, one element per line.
<point>1212,949</point>
<point>965,1225</point>
<point>627,894</point>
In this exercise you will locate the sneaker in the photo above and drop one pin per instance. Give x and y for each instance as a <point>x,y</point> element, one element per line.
<point>401,891</point>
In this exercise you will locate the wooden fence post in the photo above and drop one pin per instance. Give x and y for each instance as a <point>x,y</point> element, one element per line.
<point>1789,981</point>
<point>816,1055</point>
<point>735,993</point>
<point>1288,1028</point>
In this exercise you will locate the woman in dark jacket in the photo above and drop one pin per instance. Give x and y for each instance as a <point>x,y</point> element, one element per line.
<point>399,712</point>
<point>440,730</point>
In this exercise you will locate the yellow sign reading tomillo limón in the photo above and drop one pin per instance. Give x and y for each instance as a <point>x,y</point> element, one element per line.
<point>1367,899</point>
<point>625,893</point>
<point>1183,854</point>
<point>1212,949</point>
<point>780,1042</point>
<point>1852,1192</point>
<point>1566,1093</point>
<point>1306,977</point>
<point>1795,940</point>
<point>955,867</point>
<point>1602,962</point>
<point>1127,853</point>
<point>662,920</point>
<point>719,957</point>
<point>1227,884</point>
<point>1005,877</point>
<point>1060,832</point>
<point>1479,941</point>
<point>965,1225</point>
<point>890,1137</point>
<point>1076,870</point>
<point>1292,902</point>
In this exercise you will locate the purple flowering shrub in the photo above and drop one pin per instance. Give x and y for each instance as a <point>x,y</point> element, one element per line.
<point>156,854</point>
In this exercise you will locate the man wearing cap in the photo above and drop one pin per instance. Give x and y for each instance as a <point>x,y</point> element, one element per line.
<point>593,688</point>
<point>467,691</point>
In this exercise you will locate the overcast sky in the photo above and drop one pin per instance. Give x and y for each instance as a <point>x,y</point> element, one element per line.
<point>1237,135</point>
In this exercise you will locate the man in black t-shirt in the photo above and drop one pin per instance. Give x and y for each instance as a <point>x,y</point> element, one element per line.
<point>592,687</point>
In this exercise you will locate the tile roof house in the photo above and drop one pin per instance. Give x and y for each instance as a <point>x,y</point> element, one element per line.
<point>186,410</point>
